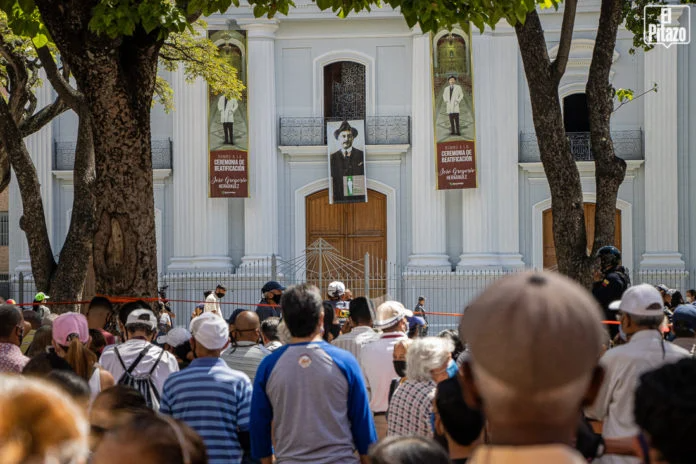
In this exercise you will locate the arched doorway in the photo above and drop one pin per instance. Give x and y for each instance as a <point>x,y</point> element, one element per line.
<point>353,229</point>
<point>549,245</point>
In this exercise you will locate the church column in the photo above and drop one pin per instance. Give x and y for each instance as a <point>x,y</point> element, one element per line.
<point>660,113</point>
<point>427,203</point>
<point>40,148</point>
<point>200,223</point>
<point>261,208</point>
<point>491,212</point>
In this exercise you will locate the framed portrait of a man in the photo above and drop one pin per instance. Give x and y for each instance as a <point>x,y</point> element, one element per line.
<point>346,151</point>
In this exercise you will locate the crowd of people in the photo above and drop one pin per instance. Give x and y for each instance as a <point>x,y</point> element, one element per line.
<point>531,375</point>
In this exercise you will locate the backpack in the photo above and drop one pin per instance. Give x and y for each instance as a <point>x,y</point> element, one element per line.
<point>142,383</point>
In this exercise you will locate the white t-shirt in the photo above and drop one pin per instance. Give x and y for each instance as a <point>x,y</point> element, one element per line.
<point>165,319</point>
<point>129,351</point>
<point>377,362</point>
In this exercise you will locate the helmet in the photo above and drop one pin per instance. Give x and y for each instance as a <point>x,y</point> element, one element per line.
<point>336,289</point>
<point>609,256</point>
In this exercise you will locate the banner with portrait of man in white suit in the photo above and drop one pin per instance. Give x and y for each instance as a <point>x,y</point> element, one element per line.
<point>346,150</point>
<point>228,139</point>
<point>453,97</point>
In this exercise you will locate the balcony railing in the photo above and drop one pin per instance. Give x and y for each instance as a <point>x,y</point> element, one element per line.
<point>628,144</point>
<point>64,155</point>
<point>380,130</point>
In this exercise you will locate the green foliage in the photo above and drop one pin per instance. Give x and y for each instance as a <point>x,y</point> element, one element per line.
<point>24,19</point>
<point>117,18</point>
<point>22,51</point>
<point>431,15</point>
<point>201,59</point>
<point>624,95</point>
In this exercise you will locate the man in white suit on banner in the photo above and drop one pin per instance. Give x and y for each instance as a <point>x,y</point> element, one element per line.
<point>452,95</point>
<point>227,107</point>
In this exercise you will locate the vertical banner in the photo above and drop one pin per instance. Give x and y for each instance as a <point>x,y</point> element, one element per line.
<point>346,150</point>
<point>228,135</point>
<point>453,105</point>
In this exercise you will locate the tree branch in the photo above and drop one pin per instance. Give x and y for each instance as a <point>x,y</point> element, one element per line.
<point>33,220</point>
<point>18,78</point>
<point>69,95</point>
<point>558,66</point>
<point>37,121</point>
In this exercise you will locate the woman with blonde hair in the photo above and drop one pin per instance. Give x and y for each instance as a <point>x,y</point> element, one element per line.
<point>40,424</point>
<point>70,340</point>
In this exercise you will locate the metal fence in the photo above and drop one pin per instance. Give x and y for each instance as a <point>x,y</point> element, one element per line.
<point>446,292</point>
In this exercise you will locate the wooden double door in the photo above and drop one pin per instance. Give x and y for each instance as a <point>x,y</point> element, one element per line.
<point>353,229</point>
<point>550,261</point>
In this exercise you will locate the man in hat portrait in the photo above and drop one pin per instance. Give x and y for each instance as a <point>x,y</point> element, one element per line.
<point>452,95</point>
<point>346,164</point>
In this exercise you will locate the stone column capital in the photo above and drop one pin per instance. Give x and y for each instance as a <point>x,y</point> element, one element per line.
<point>259,28</point>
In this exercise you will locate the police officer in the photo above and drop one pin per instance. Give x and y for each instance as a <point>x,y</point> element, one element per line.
<point>610,281</point>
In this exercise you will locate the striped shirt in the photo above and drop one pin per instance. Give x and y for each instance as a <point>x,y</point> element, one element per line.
<point>215,401</point>
<point>245,357</point>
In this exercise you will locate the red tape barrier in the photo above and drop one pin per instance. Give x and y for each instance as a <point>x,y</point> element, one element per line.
<point>121,300</point>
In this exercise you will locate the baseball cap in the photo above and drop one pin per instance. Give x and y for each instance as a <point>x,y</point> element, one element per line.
<point>685,313</point>
<point>41,296</point>
<point>271,285</point>
<point>664,288</point>
<point>210,330</point>
<point>175,337</point>
<point>68,326</point>
<point>389,313</point>
<point>640,300</point>
<point>11,302</point>
<point>142,316</point>
<point>415,321</point>
<point>534,332</point>
<point>336,288</point>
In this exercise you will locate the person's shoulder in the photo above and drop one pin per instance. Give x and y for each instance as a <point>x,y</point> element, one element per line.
<point>677,350</point>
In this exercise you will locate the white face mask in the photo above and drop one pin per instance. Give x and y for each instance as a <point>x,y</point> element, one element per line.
<point>622,334</point>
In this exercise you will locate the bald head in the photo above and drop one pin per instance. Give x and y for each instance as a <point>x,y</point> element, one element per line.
<point>535,339</point>
<point>247,325</point>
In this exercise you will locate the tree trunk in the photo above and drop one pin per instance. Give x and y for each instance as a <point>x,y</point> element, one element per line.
<point>117,78</point>
<point>609,169</point>
<point>561,171</point>
<point>68,281</point>
<point>33,220</point>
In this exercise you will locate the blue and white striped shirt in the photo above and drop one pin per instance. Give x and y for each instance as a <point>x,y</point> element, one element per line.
<point>215,401</point>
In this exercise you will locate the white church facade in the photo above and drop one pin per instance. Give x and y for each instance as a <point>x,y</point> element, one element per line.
<point>297,68</point>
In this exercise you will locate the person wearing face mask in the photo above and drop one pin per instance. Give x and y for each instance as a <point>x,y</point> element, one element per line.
<point>272,291</point>
<point>11,333</point>
<point>212,301</point>
<point>412,404</point>
<point>247,351</point>
<point>400,350</point>
<point>377,361</point>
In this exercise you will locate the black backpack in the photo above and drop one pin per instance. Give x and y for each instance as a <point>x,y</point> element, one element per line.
<point>142,383</point>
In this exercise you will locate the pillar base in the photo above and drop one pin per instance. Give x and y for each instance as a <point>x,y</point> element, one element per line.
<point>260,266</point>
<point>201,264</point>
<point>489,262</point>
<point>662,261</point>
<point>428,263</point>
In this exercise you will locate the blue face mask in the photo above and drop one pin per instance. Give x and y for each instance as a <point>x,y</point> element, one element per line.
<point>452,369</point>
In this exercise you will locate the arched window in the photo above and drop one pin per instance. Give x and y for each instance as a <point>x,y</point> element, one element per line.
<point>344,90</point>
<point>576,117</point>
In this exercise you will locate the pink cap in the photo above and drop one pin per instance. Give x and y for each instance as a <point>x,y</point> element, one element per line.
<point>69,324</point>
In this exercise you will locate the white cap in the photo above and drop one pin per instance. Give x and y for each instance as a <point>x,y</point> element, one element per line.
<point>390,312</point>
<point>336,288</point>
<point>640,300</point>
<point>175,337</point>
<point>142,316</point>
<point>211,331</point>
